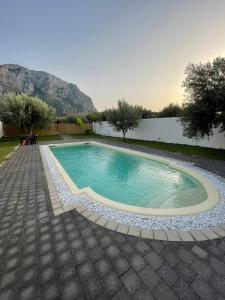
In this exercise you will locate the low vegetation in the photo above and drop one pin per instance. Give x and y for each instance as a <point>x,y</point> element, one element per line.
<point>8,144</point>
<point>78,118</point>
<point>6,148</point>
<point>49,138</point>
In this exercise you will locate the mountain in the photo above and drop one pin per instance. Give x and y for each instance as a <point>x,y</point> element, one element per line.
<point>65,97</point>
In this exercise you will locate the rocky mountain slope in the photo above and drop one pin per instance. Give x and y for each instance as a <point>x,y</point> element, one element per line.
<point>65,97</point>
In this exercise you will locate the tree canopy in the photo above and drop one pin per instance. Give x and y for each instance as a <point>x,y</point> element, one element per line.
<point>147,113</point>
<point>25,111</point>
<point>124,116</point>
<point>94,117</point>
<point>171,110</point>
<point>204,107</point>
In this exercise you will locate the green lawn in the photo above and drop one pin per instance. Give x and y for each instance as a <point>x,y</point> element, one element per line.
<point>6,148</point>
<point>186,149</point>
<point>49,138</point>
<point>8,144</point>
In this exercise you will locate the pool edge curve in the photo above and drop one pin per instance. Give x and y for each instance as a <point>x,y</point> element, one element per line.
<point>209,203</point>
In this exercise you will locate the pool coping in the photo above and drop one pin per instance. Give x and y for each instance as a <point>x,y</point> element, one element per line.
<point>210,202</point>
<point>162,234</point>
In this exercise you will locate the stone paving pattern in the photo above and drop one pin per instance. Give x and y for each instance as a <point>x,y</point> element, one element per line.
<point>70,257</point>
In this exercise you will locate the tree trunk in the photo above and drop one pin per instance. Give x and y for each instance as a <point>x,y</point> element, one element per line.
<point>30,130</point>
<point>124,134</point>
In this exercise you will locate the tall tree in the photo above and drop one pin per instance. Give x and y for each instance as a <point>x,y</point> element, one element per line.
<point>25,111</point>
<point>204,107</point>
<point>124,116</point>
<point>171,110</point>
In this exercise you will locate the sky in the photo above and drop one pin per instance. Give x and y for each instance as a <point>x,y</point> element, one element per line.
<point>113,49</point>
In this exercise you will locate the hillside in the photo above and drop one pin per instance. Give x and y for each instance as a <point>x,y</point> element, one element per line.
<point>65,97</point>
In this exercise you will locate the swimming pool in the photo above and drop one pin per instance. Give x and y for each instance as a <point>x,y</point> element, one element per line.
<point>134,181</point>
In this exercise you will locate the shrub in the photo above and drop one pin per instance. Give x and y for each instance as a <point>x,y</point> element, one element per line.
<point>88,132</point>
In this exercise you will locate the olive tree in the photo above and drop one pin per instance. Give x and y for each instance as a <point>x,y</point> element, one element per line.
<point>204,108</point>
<point>25,111</point>
<point>124,116</point>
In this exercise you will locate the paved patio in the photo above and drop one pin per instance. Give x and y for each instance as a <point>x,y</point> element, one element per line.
<point>69,257</point>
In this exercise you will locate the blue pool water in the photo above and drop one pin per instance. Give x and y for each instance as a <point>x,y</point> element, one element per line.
<point>129,179</point>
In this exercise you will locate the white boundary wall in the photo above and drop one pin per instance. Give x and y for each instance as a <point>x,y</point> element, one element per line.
<point>1,129</point>
<point>168,130</point>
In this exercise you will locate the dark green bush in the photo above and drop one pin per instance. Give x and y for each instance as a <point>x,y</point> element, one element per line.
<point>88,131</point>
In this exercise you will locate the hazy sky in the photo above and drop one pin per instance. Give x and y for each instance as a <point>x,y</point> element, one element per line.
<point>114,48</point>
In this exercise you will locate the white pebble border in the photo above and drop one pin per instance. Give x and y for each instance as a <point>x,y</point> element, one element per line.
<point>203,220</point>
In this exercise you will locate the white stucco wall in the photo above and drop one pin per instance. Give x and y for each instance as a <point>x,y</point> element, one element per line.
<point>1,129</point>
<point>167,130</point>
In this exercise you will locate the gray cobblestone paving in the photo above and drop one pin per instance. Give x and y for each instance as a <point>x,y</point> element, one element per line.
<point>69,257</point>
